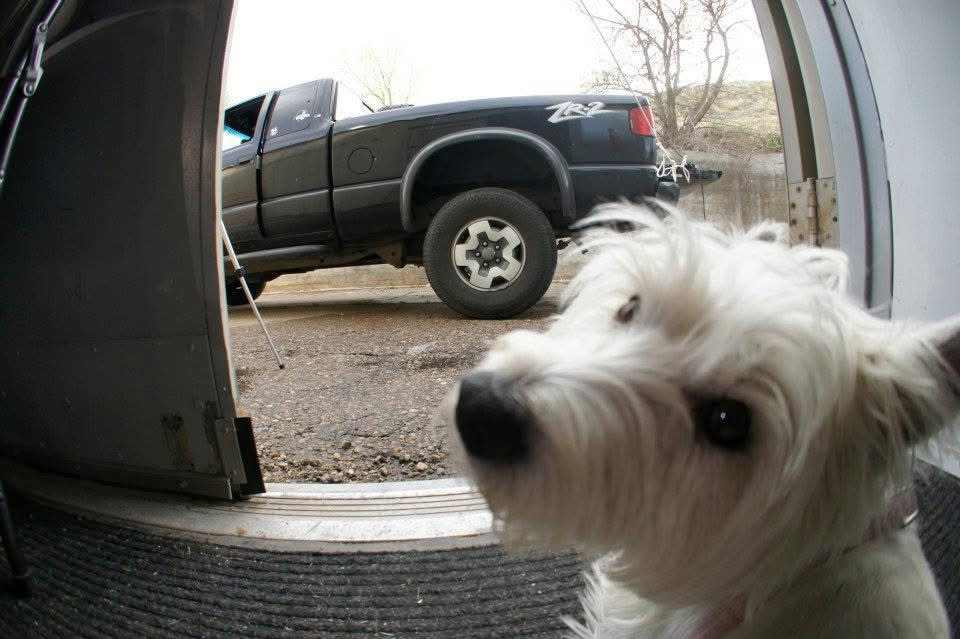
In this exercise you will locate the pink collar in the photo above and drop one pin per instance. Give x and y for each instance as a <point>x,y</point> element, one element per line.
<point>900,514</point>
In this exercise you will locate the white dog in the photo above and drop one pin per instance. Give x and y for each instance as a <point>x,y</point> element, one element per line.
<point>717,421</point>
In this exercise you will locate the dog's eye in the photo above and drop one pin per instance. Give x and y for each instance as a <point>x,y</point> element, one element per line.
<point>626,312</point>
<point>725,422</point>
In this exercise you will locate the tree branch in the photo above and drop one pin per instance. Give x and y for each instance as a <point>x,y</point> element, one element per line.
<point>666,38</point>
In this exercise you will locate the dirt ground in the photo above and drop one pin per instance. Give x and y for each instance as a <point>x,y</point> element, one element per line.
<point>365,371</point>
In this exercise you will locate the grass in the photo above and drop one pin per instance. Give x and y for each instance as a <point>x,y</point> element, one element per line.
<point>744,117</point>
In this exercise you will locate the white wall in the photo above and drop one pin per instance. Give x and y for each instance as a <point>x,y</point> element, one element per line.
<point>912,49</point>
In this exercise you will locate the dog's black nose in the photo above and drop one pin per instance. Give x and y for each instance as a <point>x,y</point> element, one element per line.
<point>492,423</point>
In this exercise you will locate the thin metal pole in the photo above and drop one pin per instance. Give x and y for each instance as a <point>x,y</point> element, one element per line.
<point>239,272</point>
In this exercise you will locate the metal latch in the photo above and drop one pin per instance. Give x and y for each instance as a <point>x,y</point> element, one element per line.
<point>33,72</point>
<point>29,72</point>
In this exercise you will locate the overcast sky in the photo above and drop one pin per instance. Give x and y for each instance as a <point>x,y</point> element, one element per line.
<point>458,49</point>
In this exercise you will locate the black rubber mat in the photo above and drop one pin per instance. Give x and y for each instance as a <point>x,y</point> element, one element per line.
<point>939,496</point>
<point>99,580</point>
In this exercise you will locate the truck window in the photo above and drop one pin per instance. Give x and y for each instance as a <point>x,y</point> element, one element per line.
<point>232,138</point>
<point>293,111</point>
<point>240,122</point>
<point>349,104</point>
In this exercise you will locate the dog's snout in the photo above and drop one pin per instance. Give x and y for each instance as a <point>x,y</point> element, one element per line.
<point>492,423</point>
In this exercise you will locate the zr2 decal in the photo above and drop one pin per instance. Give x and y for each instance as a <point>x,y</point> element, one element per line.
<point>574,111</point>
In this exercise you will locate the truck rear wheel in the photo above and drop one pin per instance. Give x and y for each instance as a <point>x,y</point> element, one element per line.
<point>235,294</point>
<point>490,253</point>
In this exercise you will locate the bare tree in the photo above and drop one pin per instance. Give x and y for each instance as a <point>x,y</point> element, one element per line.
<point>678,54</point>
<point>382,77</point>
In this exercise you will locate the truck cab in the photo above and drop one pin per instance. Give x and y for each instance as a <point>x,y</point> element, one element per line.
<point>276,179</point>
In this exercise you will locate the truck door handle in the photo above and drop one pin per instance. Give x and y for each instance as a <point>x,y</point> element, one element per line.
<point>247,161</point>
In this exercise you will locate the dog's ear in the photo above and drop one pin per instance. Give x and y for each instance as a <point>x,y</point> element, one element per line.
<point>944,339</point>
<point>913,381</point>
<point>829,267</point>
<point>768,231</point>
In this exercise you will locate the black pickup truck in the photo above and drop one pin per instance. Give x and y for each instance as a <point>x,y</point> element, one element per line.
<point>478,192</point>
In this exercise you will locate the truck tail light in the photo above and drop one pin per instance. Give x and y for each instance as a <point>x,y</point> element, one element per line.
<point>641,121</point>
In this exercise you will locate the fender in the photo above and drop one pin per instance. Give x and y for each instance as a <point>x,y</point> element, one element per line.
<point>547,150</point>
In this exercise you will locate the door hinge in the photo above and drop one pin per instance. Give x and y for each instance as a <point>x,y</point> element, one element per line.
<point>813,212</point>
<point>230,456</point>
<point>238,454</point>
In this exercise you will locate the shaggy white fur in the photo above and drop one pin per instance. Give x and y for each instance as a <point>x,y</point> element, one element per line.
<point>716,420</point>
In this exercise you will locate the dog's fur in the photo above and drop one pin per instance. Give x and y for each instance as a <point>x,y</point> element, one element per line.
<point>689,531</point>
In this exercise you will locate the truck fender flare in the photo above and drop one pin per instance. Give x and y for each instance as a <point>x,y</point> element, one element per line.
<point>547,150</point>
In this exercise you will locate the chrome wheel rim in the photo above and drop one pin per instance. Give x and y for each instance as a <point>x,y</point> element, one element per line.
<point>488,254</point>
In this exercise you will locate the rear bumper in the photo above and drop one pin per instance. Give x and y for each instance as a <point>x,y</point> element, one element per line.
<point>598,183</point>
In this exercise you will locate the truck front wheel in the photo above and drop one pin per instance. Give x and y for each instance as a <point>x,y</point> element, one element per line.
<point>490,253</point>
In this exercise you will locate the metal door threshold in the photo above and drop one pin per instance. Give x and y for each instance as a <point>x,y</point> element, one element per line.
<point>428,514</point>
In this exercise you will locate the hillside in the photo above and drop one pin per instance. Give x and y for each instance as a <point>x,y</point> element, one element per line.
<point>743,117</point>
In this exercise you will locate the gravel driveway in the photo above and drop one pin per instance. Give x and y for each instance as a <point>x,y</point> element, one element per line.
<point>365,371</point>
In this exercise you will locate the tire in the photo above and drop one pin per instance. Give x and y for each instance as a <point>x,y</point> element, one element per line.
<point>517,233</point>
<point>235,295</point>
